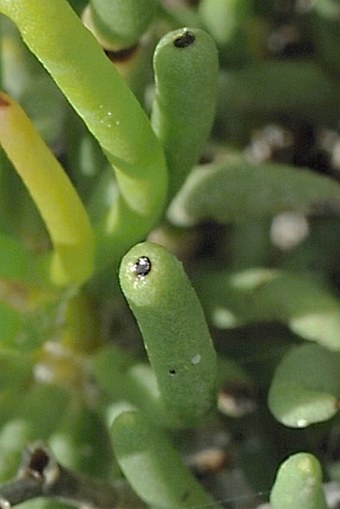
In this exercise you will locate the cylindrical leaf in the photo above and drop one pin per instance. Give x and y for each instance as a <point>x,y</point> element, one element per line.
<point>298,484</point>
<point>174,330</point>
<point>152,465</point>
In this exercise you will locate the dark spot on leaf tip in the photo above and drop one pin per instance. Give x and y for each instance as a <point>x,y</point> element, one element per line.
<point>142,267</point>
<point>185,40</point>
<point>3,102</point>
<point>172,372</point>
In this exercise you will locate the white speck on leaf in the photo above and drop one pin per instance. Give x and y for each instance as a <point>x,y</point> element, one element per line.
<point>196,359</point>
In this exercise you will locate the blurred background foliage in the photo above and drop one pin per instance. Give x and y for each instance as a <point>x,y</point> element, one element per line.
<point>256,225</point>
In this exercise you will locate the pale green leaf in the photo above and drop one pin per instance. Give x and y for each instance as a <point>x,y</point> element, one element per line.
<point>306,386</point>
<point>298,484</point>
<point>263,295</point>
<point>240,191</point>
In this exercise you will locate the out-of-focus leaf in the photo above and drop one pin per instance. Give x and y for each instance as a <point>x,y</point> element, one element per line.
<point>263,295</point>
<point>15,374</point>
<point>14,436</point>
<point>82,443</point>
<point>306,386</point>
<point>236,391</point>
<point>327,8</point>
<point>325,23</point>
<point>11,323</point>
<point>15,369</point>
<point>141,390</point>
<point>78,5</point>
<point>223,20</point>
<point>45,105</point>
<point>239,191</point>
<point>298,484</point>
<point>44,503</point>
<point>14,258</point>
<point>43,408</point>
<point>119,25</point>
<point>26,80</point>
<point>23,312</point>
<point>16,70</point>
<point>318,250</point>
<point>109,366</point>
<point>281,88</point>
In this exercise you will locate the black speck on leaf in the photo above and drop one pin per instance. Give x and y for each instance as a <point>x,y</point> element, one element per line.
<point>142,267</point>
<point>184,40</point>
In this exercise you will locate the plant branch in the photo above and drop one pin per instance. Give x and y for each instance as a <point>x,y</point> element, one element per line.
<point>40,475</point>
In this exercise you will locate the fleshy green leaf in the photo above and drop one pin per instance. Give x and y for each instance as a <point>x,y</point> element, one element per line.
<point>165,306</point>
<point>298,484</point>
<point>120,24</point>
<point>263,295</point>
<point>239,191</point>
<point>152,466</point>
<point>180,55</point>
<point>306,386</point>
